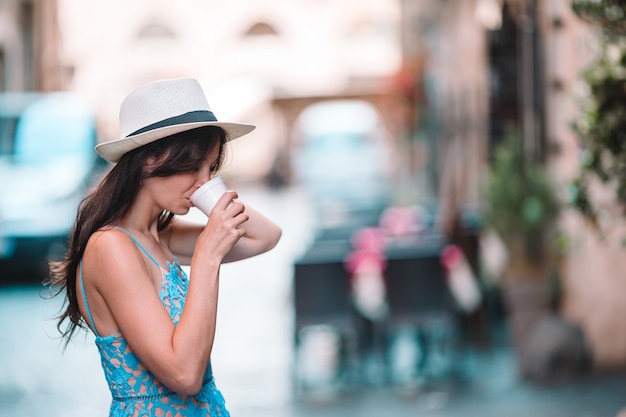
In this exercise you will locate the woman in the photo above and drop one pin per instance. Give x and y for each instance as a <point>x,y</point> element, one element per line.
<point>122,278</point>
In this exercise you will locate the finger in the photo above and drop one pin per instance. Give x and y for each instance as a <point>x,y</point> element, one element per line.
<point>240,219</point>
<point>227,198</point>
<point>237,208</point>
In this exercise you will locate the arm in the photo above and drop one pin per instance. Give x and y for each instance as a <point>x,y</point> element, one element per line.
<point>127,298</point>
<point>261,234</point>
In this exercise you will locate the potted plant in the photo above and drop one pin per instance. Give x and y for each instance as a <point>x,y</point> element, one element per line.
<point>522,208</point>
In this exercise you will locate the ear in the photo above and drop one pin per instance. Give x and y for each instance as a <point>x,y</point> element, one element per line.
<point>149,166</point>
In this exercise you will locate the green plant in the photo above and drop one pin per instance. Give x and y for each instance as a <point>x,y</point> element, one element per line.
<point>601,124</point>
<point>522,204</point>
<point>609,14</point>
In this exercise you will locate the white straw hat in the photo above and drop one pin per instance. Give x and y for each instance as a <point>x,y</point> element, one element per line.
<point>160,109</point>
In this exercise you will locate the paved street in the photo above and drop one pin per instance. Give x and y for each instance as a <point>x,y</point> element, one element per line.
<point>253,355</point>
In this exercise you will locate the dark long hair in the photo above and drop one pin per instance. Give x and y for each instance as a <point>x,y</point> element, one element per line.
<point>113,197</point>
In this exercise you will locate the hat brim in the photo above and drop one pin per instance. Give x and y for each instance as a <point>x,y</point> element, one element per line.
<point>113,150</point>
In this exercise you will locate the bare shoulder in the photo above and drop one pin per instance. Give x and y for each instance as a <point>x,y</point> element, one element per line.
<point>108,241</point>
<point>114,275</point>
<point>110,251</point>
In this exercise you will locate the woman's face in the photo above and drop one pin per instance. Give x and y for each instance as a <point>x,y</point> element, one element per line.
<point>173,193</point>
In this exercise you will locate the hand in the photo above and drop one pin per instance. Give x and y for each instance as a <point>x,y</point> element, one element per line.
<point>224,227</point>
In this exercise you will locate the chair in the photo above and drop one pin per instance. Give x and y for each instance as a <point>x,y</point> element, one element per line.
<point>419,299</point>
<point>321,297</point>
<point>321,294</point>
<point>417,290</point>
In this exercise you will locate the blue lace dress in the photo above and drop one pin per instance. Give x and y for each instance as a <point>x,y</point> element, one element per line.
<point>135,391</point>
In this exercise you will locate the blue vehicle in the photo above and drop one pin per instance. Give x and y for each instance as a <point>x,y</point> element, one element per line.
<point>342,158</point>
<point>47,161</point>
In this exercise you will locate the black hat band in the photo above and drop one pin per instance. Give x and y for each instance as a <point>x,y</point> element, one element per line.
<point>197,116</point>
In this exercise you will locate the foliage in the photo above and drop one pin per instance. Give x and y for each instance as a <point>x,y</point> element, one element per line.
<point>608,14</point>
<point>522,204</point>
<point>601,125</point>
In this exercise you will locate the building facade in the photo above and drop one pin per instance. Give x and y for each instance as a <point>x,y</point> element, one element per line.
<point>497,63</point>
<point>29,42</point>
<point>252,58</point>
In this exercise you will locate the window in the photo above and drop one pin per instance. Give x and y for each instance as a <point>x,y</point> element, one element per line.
<point>156,31</point>
<point>261,29</point>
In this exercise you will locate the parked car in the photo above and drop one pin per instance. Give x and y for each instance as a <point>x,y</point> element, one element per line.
<point>47,161</point>
<point>342,158</point>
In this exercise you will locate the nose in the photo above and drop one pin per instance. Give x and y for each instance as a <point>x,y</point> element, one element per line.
<point>201,181</point>
<point>204,175</point>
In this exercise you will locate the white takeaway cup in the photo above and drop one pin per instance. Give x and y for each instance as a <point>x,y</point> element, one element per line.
<point>207,195</point>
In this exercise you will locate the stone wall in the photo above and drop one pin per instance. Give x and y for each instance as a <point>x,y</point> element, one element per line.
<point>594,273</point>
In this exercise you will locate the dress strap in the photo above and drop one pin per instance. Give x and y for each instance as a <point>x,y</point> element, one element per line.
<point>139,245</point>
<point>82,289</point>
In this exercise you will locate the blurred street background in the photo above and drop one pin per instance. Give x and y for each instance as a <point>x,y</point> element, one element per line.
<point>448,175</point>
